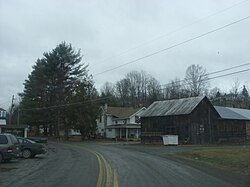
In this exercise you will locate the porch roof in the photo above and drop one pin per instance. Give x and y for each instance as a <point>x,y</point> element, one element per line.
<point>126,126</point>
<point>14,126</point>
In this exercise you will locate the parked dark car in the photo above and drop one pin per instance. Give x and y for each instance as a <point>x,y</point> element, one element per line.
<point>9,147</point>
<point>30,148</point>
<point>38,139</point>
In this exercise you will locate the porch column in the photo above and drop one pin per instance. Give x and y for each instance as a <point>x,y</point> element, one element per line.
<point>25,132</point>
<point>137,133</point>
<point>126,133</point>
<point>120,133</point>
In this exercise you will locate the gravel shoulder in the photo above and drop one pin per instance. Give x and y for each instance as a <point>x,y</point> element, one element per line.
<point>17,169</point>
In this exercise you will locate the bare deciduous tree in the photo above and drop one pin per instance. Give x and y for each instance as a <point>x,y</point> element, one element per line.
<point>154,90</point>
<point>108,89</point>
<point>122,88</point>
<point>196,80</point>
<point>137,87</point>
<point>173,89</point>
<point>235,89</point>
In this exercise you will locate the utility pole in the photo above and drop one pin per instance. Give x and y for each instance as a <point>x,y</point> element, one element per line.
<point>18,116</point>
<point>11,108</point>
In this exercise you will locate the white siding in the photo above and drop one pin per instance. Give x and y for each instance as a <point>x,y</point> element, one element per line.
<point>2,122</point>
<point>110,133</point>
<point>2,114</point>
<point>109,120</point>
<point>132,119</point>
<point>73,132</point>
<point>100,126</point>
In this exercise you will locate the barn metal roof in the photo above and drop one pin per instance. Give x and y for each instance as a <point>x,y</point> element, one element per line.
<point>233,113</point>
<point>172,107</point>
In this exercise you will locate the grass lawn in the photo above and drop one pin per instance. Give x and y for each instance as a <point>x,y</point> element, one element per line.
<point>235,159</point>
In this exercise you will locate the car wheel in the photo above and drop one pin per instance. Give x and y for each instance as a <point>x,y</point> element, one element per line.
<point>26,153</point>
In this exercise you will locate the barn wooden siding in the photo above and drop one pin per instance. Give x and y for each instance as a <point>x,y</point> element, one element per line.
<point>197,127</point>
<point>233,125</point>
<point>248,132</point>
<point>231,131</point>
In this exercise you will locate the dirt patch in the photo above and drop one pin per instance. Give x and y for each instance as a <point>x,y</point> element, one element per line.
<point>235,159</point>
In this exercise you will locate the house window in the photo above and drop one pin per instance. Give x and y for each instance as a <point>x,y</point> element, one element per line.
<point>2,114</point>
<point>110,130</point>
<point>137,119</point>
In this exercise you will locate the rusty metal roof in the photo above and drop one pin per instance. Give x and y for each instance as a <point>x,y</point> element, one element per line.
<point>233,113</point>
<point>121,112</point>
<point>172,107</point>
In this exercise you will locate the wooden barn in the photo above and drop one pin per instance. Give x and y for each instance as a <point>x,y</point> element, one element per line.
<point>192,119</point>
<point>233,125</point>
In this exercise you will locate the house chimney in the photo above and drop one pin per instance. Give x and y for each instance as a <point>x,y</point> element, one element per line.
<point>106,107</point>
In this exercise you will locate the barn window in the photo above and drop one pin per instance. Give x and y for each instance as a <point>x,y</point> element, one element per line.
<point>202,129</point>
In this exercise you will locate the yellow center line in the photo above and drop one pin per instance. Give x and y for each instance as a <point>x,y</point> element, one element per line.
<point>108,171</point>
<point>99,182</point>
<point>105,170</point>
<point>115,179</point>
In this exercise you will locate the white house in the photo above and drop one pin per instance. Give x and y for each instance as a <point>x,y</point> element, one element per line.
<point>2,116</point>
<point>119,122</point>
<point>18,130</point>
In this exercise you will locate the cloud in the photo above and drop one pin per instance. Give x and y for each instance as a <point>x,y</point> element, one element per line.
<point>113,32</point>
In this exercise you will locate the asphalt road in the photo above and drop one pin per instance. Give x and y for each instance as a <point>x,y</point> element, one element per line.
<point>102,164</point>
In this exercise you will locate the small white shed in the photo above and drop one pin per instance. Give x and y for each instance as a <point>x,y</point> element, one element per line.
<point>170,139</point>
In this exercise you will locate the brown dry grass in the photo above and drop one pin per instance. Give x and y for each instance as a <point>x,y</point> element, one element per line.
<point>235,159</point>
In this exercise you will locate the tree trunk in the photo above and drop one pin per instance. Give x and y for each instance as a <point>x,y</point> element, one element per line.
<point>66,132</point>
<point>83,134</point>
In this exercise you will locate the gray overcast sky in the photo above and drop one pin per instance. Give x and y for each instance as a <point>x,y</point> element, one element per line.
<point>113,32</point>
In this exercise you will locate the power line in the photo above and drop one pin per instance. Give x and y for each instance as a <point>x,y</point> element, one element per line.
<point>100,99</point>
<point>215,72</point>
<point>211,78</point>
<point>65,105</point>
<point>246,64</point>
<point>172,32</point>
<point>173,46</point>
<point>233,73</point>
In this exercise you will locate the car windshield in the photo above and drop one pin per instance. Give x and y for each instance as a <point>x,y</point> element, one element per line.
<point>30,141</point>
<point>24,140</point>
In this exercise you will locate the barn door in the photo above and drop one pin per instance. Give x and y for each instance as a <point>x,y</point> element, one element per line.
<point>197,133</point>
<point>201,133</point>
<point>194,133</point>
